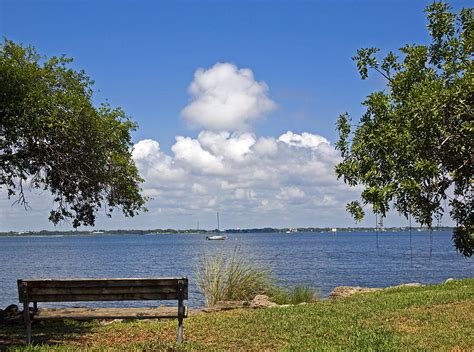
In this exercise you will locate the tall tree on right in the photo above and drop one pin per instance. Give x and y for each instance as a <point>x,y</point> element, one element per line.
<point>413,148</point>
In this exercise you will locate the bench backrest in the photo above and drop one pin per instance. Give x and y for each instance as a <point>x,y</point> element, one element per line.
<point>72,290</point>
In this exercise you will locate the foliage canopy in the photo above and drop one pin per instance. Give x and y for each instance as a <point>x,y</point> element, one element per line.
<point>413,147</point>
<point>53,138</point>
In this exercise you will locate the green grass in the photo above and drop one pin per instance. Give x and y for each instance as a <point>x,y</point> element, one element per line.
<point>435,317</point>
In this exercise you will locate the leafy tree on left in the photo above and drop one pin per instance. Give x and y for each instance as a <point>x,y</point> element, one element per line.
<point>53,138</point>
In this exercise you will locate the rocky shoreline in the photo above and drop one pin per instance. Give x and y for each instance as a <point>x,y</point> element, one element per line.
<point>12,314</point>
<point>263,301</point>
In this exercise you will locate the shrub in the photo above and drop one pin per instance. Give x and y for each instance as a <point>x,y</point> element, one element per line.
<point>231,279</point>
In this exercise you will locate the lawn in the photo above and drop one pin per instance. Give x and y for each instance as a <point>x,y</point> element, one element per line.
<point>438,317</point>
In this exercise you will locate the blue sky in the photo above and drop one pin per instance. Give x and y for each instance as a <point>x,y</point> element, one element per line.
<point>143,56</point>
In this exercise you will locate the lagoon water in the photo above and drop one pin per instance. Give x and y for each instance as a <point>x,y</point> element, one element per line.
<point>322,260</point>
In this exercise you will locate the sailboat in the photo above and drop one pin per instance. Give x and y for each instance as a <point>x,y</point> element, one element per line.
<point>216,237</point>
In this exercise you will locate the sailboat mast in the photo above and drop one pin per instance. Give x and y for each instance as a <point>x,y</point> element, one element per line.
<point>218,225</point>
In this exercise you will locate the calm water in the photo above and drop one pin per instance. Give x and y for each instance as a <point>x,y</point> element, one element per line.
<point>320,259</point>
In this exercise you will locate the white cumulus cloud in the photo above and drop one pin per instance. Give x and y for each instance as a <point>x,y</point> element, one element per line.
<point>225,97</point>
<point>304,140</point>
<point>223,144</point>
<point>283,178</point>
<point>191,153</point>
<point>156,166</point>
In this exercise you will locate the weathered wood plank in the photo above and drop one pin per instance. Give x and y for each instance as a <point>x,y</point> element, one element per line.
<point>100,290</point>
<point>106,313</point>
<point>98,297</point>
<point>106,282</point>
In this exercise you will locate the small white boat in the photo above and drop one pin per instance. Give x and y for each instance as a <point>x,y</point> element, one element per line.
<point>215,238</point>
<point>292,230</point>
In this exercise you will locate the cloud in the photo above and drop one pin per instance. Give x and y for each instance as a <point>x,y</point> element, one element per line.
<point>265,146</point>
<point>229,168</point>
<point>290,192</point>
<point>304,140</point>
<point>156,167</point>
<point>190,152</point>
<point>224,145</point>
<point>285,178</point>
<point>225,97</point>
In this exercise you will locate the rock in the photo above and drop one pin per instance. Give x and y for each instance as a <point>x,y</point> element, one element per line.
<point>225,305</point>
<point>411,284</point>
<point>12,309</point>
<point>346,291</point>
<point>108,322</point>
<point>262,301</point>
<point>285,305</point>
<point>10,314</point>
<point>449,280</point>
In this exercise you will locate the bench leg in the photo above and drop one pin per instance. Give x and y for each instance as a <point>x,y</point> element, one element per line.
<point>180,320</point>
<point>26,317</point>
<point>180,330</point>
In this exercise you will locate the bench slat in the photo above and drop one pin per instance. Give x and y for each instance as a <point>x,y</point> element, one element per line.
<point>99,290</point>
<point>98,297</point>
<point>48,283</point>
<point>106,313</point>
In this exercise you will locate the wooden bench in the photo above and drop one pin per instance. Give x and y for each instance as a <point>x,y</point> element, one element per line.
<point>76,290</point>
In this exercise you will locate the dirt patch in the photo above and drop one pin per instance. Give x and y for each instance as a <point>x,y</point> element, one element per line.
<point>407,326</point>
<point>435,319</point>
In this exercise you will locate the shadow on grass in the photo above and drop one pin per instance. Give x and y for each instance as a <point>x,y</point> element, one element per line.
<point>44,332</point>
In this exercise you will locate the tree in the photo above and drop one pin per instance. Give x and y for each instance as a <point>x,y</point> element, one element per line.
<point>52,137</point>
<point>413,147</point>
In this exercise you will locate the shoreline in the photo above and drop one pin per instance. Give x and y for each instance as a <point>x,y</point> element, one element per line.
<point>207,232</point>
<point>402,318</point>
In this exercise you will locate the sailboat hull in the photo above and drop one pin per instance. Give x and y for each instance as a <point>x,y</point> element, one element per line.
<point>215,238</point>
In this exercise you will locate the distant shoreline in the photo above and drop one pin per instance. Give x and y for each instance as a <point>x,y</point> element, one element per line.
<point>204,232</point>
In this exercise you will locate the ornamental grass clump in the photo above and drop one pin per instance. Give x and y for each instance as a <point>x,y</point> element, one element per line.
<point>230,279</point>
<point>294,295</point>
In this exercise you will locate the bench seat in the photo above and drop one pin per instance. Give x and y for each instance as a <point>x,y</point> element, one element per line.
<point>107,313</point>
